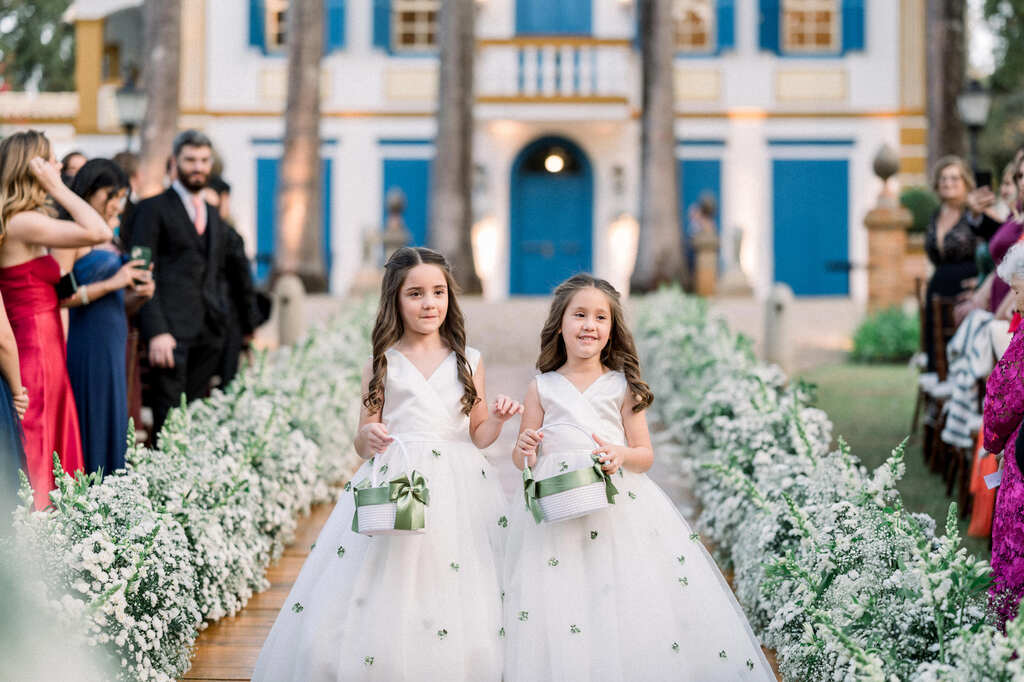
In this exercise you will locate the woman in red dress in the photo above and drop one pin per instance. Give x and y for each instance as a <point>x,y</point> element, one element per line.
<point>29,174</point>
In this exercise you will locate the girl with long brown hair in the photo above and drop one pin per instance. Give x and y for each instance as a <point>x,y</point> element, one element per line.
<point>623,593</point>
<point>409,607</point>
<point>29,179</point>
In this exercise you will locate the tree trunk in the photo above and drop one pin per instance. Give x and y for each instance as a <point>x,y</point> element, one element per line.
<point>451,207</point>
<point>947,63</point>
<point>299,248</point>
<point>162,34</point>
<point>659,256</point>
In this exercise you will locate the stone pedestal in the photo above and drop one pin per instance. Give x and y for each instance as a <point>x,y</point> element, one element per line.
<point>887,248</point>
<point>778,346</point>
<point>706,267</point>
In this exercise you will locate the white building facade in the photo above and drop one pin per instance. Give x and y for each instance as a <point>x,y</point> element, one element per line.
<point>781,107</point>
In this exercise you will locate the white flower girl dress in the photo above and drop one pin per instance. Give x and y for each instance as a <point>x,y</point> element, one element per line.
<point>626,593</point>
<point>405,607</point>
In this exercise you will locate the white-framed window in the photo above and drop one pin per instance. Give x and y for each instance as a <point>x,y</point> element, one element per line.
<point>693,21</point>
<point>415,24</point>
<point>810,25</point>
<point>276,24</point>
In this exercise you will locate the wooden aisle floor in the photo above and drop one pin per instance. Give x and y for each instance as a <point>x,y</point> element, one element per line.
<point>227,650</point>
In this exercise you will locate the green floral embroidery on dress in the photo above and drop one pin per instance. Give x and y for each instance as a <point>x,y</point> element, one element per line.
<point>348,486</point>
<point>368,661</point>
<point>503,595</point>
<point>695,537</point>
<point>632,495</point>
<point>593,535</point>
<point>383,470</point>
<point>622,474</point>
<point>563,466</point>
<point>503,521</point>
<point>675,647</point>
<point>341,551</point>
<point>436,453</point>
<point>455,566</point>
<point>297,607</point>
<point>501,633</point>
<point>442,633</point>
<point>524,616</point>
<point>552,562</point>
<point>750,664</point>
<point>721,654</point>
<point>574,629</point>
<point>684,581</point>
<point>681,559</point>
<point>483,473</point>
<point>312,547</point>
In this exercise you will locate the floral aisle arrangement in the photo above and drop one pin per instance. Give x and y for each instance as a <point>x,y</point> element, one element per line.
<point>832,571</point>
<point>145,558</point>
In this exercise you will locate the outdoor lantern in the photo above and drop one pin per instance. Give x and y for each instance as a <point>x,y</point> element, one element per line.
<point>131,108</point>
<point>973,104</point>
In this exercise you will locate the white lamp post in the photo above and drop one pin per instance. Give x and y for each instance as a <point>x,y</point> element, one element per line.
<point>973,105</point>
<point>131,108</point>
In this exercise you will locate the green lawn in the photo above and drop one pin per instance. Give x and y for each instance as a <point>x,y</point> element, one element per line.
<point>871,407</point>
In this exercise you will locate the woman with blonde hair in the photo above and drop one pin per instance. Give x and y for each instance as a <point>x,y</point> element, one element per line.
<point>952,236</point>
<point>29,178</point>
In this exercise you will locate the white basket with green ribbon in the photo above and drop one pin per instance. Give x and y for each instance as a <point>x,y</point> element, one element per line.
<point>571,494</point>
<point>395,507</point>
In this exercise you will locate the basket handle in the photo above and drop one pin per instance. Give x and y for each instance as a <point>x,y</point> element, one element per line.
<point>574,425</point>
<point>405,455</point>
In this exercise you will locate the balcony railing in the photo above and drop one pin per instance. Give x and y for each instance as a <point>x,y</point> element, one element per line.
<point>553,69</point>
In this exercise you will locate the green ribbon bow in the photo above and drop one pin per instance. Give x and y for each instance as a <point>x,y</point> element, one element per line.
<point>409,492</point>
<point>534,490</point>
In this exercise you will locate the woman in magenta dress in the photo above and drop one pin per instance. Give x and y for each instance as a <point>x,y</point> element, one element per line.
<point>29,174</point>
<point>1004,412</point>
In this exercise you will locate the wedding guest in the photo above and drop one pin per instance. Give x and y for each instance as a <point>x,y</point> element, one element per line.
<point>70,165</point>
<point>98,328</point>
<point>29,172</point>
<point>952,237</point>
<point>129,163</point>
<point>183,323</point>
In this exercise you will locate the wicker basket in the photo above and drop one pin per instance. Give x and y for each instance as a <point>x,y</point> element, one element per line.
<point>571,494</point>
<point>397,508</point>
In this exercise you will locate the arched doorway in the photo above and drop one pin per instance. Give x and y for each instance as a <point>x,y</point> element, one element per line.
<point>551,221</point>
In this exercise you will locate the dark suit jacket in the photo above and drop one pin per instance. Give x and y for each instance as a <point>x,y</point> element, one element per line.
<point>188,302</point>
<point>238,290</point>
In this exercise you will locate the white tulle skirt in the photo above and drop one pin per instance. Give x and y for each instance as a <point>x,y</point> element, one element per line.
<point>402,607</point>
<point>623,595</point>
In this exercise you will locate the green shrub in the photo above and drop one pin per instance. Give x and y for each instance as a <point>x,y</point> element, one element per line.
<point>887,336</point>
<point>922,204</point>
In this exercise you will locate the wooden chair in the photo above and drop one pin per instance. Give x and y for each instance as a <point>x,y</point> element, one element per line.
<point>937,454</point>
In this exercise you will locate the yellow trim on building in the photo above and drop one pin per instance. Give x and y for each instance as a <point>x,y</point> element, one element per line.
<point>913,165</point>
<point>911,136</point>
<point>88,72</point>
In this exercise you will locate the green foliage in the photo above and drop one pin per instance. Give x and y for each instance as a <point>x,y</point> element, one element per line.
<point>922,204</point>
<point>888,336</point>
<point>37,49</point>
<point>1004,16</point>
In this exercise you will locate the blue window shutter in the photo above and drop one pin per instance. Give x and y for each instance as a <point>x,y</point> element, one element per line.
<point>382,24</point>
<point>725,17</point>
<point>257,32</point>
<point>771,13</point>
<point>334,26</point>
<point>853,25</point>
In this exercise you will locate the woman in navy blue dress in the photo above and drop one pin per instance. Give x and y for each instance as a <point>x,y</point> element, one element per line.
<point>98,323</point>
<point>13,403</point>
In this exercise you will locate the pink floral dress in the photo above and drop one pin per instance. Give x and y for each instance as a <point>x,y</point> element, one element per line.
<point>1004,412</point>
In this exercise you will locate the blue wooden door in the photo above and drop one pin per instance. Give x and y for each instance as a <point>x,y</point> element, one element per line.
<point>551,218</point>
<point>412,176</point>
<point>811,226</point>
<point>697,177</point>
<point>553,17</point>
<point>267,185</point>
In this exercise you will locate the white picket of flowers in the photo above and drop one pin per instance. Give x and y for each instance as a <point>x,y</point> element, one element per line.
<point>832,571</point>
<point>147,557</point>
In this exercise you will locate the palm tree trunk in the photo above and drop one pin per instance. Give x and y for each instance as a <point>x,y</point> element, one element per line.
<point>451,208</point>
<point>946,71</point>
<point>659,256</point>
<point>162,34</point>
<point>299,249</point>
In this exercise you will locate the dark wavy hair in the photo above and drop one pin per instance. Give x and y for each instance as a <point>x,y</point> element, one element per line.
<point>389,328</point>
<point>618,354</point>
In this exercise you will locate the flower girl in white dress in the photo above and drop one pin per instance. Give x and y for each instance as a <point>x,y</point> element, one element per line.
<point>627,592</point>
<point>414,607</point>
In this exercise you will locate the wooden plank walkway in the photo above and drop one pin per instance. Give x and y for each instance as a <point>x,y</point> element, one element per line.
<point>227,650</point>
